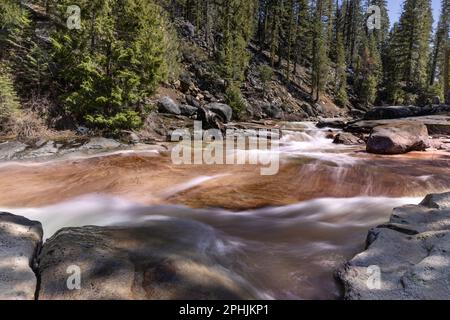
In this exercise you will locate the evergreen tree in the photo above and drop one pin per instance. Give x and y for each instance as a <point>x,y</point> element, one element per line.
<point>341,73</point>
<point>438,75</point>
<point>320,61</point>
<point>105,70</point>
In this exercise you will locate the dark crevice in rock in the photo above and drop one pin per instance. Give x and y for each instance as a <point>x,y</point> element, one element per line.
<point>401,229</point>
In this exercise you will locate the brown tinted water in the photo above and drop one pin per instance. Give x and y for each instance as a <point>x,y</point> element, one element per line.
<point>284,234</point>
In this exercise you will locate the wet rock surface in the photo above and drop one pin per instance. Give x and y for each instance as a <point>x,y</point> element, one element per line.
<point>412,253</point>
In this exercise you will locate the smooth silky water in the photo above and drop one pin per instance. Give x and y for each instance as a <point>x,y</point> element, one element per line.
<point>285,235</point>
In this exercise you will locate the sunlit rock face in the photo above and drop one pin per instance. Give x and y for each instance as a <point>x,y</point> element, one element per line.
<point>20,240</point>
<point>411,254</point>
<point>398,138</point>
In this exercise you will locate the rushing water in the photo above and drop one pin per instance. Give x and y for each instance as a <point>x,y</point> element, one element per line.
<point>283,234</point>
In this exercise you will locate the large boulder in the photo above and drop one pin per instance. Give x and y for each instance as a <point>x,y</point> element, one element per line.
<point>160,259</point>
<point>187,110</point>
<point>168,105</point>
<point>222,110</point>
<point>411,254</point>
<point>398,138</point>
<point>20,241</point>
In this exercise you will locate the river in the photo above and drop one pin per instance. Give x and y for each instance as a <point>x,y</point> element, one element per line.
<point>284,235</point>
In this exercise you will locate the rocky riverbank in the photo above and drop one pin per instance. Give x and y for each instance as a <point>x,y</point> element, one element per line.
<point>411,252</point>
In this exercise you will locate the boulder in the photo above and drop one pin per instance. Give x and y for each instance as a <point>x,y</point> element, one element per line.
<point>129,137</point>
<point>160,259</point>
<point>167,105</point>
<point>187,110</point>
<point>210,120</point>
<point>192,101</point>
<point>222,110</point>
<point>20,242</point>
<point>272,111</point>
<point>411,253</point>
<point>347,139</point>
<point>186,83</point>
<point>398,138</point>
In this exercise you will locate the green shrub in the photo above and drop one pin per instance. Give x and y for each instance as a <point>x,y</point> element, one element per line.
<point>126,120</point>
<point>233,98</point>
<point>265,73</point>
<point>9,103</point>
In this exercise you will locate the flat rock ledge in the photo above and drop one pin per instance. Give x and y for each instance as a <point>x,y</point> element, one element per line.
<point>20,242</point>
<point>407,258</point>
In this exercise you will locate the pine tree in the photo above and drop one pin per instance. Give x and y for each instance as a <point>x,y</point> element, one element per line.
<point>237,22</point>
<point>438,74</point>
<point>303,34</point>
<point>118,58</point>
<point>320,61</point>
<point>341,73</point>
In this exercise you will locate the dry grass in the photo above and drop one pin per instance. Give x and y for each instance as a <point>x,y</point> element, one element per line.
<point>28,126</point>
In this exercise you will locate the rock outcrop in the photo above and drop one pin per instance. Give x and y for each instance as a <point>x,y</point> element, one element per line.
<point>20,241</point>
<point>398,138</point>
<point>412,253</point>
<point>160,260</point>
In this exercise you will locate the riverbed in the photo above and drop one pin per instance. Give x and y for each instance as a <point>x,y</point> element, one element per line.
<point>284,235</point>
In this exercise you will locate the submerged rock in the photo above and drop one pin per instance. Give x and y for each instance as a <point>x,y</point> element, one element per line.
<point>20,241</point>
<point>412,253</point>
<point>165,259</point>
<point>168,105</point>
<point>398,138</point>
